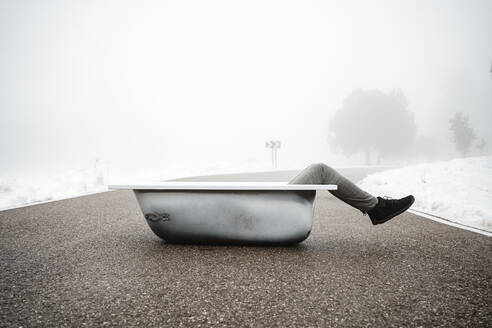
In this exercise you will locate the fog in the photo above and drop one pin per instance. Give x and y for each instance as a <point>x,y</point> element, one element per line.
<point>162,84</point>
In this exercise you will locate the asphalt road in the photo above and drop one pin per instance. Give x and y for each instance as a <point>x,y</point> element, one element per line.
<point>92,261</point>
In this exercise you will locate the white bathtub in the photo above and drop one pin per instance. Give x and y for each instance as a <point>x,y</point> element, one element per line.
<point>227,212</point>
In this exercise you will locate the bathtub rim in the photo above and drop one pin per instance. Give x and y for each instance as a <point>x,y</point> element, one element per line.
<point>224,186</point>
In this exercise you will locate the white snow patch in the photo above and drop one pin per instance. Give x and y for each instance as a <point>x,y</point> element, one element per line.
<point>459,190</point>
<point>25,188</point>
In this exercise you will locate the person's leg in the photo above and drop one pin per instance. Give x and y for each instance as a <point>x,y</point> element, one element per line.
<point>379,209</point>
<point>347,191</point>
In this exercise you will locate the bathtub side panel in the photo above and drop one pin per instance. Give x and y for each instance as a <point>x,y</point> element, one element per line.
<point>268,217</point>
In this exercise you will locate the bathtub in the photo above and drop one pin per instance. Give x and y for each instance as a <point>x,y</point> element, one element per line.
<point>262,213</point>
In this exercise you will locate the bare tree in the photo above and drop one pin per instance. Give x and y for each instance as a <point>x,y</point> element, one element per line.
<point>463,134</point>
<point>373,122</point>
<point>481,146</point>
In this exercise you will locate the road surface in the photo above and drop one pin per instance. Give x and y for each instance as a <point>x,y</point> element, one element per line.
<point>92,261</point>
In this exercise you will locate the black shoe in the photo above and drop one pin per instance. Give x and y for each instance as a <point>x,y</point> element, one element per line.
<point>388,208</point>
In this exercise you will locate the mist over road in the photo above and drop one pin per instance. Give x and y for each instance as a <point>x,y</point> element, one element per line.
<point>93,261</point>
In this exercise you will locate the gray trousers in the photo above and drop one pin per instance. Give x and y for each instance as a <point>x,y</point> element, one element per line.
<point>347,191</point>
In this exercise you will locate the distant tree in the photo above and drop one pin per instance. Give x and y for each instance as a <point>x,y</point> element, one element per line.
<point>481,146</point>
<point>463,134</point>
<point>373,122</point>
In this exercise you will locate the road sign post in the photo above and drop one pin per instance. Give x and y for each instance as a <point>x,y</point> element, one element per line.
<point>274,145</point>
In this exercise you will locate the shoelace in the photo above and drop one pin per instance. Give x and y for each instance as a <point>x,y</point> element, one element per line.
<point>385,198</point>
<point>390,201</point>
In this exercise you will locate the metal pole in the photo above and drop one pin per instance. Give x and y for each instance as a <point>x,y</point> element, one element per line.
<point>273,158</point>
<point>276,158</point>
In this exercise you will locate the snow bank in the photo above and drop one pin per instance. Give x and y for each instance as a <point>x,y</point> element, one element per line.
<point>459,190</point>
<point>24,188</point>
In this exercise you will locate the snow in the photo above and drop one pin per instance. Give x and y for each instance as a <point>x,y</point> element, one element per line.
<point>458,190</point>
<point>25,188</point>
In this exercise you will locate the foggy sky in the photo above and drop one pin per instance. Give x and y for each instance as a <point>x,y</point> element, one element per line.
<point>153,82</point>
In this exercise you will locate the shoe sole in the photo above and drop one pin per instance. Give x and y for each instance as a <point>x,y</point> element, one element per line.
<point>394,214</point>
